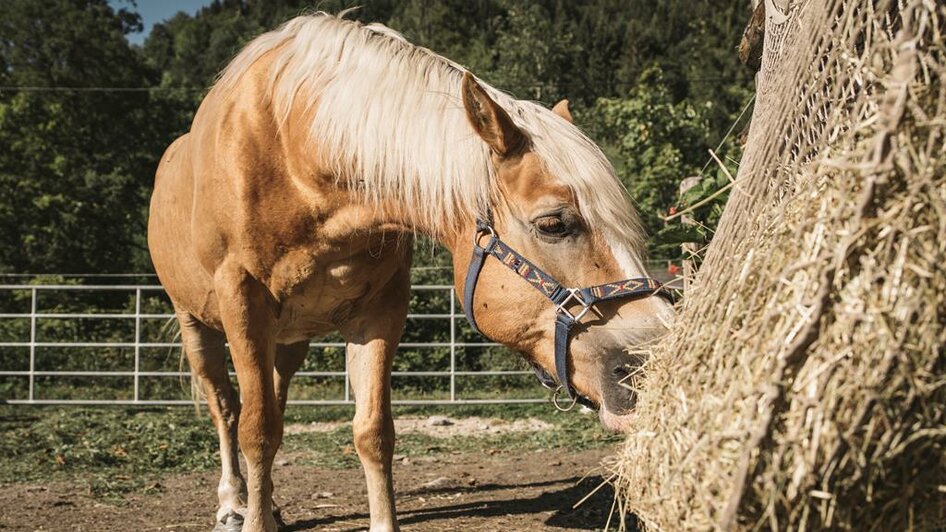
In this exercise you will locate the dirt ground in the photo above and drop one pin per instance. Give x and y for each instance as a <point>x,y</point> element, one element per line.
<point>469,491</point>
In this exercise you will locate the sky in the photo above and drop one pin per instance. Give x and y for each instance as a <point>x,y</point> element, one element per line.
<point>153,11</point>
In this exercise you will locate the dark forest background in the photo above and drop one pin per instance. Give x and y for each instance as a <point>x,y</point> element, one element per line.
<point>84,115</point>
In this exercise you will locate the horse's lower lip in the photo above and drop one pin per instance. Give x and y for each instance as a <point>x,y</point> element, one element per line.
<point>616,422</point>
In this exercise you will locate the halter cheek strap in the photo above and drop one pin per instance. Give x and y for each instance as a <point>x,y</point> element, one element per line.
<point>473,271</point>
<point>563,298</point>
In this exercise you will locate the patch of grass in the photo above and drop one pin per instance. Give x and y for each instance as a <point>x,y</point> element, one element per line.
<point>335,449</point>
<point>111,449</point>
<point>543,411</point>
<point>116,450</point>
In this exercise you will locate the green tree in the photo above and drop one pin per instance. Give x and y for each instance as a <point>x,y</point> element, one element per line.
<point>655,143</point>
<point>76,166</point>
<point>75,163</point>
<point>536,52</point>
<point>462,30</point>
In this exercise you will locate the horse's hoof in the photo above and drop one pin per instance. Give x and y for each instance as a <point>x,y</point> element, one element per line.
<point>277,515</point>
<point>232,522</point>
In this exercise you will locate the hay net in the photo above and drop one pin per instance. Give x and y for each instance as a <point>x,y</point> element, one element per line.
<point>804,384</point>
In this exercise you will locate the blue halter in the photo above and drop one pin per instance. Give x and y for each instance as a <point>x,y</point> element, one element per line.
<point>563,298</point>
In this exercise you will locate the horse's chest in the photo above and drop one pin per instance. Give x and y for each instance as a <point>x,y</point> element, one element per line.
<point>324,295</point>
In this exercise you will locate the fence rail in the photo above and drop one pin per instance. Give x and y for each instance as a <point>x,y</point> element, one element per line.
<point>136,375</point>
<point>107,344</point>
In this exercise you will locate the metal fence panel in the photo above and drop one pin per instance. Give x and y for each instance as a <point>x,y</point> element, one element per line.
<point>137,343</point>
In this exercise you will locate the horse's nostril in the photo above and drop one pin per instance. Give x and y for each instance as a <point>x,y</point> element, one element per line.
<point>620,372</point>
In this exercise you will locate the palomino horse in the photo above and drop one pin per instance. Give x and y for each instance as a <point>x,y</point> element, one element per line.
<point>287,213</point>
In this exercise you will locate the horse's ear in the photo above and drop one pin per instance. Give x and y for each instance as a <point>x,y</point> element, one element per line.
<point>561,109</point>
<point>491,121</point>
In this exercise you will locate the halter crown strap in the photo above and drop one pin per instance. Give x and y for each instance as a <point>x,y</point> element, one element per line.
<point>560,296</point>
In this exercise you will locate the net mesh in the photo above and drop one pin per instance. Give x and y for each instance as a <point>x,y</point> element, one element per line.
<point>804,384</point>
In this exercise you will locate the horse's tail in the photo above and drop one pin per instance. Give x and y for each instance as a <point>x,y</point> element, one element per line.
<point>172,329</point>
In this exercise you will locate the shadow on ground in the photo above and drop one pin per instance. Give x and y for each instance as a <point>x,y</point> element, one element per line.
<point>592,514</point>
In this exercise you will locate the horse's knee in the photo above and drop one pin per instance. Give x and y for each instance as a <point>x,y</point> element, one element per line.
<point>260,430</point>
<point>374,437</point>
<point>230,410</point>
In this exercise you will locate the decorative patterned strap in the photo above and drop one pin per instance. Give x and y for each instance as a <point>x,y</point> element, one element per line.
<point>628,288</point>
<point>554,291</point>
<point>542,281</point>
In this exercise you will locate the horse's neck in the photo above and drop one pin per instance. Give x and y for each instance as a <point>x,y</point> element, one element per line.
<point>334,188</point>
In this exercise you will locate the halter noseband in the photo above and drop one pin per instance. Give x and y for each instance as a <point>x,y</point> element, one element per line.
<point>562,297</point>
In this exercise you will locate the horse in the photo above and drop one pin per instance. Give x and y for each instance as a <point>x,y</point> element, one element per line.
<point>288,210</point>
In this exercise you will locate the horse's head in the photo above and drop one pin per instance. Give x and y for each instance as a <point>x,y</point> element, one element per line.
<point>540,215</point>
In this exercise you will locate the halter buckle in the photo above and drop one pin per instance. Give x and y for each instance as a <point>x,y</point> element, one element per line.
<point>573,295</point>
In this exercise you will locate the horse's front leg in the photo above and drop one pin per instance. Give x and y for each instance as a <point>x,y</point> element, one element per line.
<point>371,347</point>
<point>248,313</point>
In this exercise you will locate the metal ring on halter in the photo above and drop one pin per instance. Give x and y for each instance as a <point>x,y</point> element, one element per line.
<point>557,405</point>
<point>481,232</point>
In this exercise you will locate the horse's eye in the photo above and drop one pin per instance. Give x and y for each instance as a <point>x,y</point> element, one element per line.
<point>552,225</point>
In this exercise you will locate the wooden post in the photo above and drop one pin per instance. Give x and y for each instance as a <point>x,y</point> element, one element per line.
<point>753,38</point>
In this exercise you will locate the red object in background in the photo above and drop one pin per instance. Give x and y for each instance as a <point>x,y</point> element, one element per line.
<point>673,269</point>
<point>673,210</point>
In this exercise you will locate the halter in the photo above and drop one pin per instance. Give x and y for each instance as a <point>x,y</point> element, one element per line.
<point>562,297</point>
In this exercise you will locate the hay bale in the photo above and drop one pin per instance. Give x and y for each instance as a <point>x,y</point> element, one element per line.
<point>804,384</point>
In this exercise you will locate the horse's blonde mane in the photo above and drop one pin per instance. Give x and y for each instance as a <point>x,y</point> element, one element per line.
<point>390,114</point>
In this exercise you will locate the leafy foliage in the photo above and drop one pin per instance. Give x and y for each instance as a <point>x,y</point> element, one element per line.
<point>76,165</point>
<point>655,141</point>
